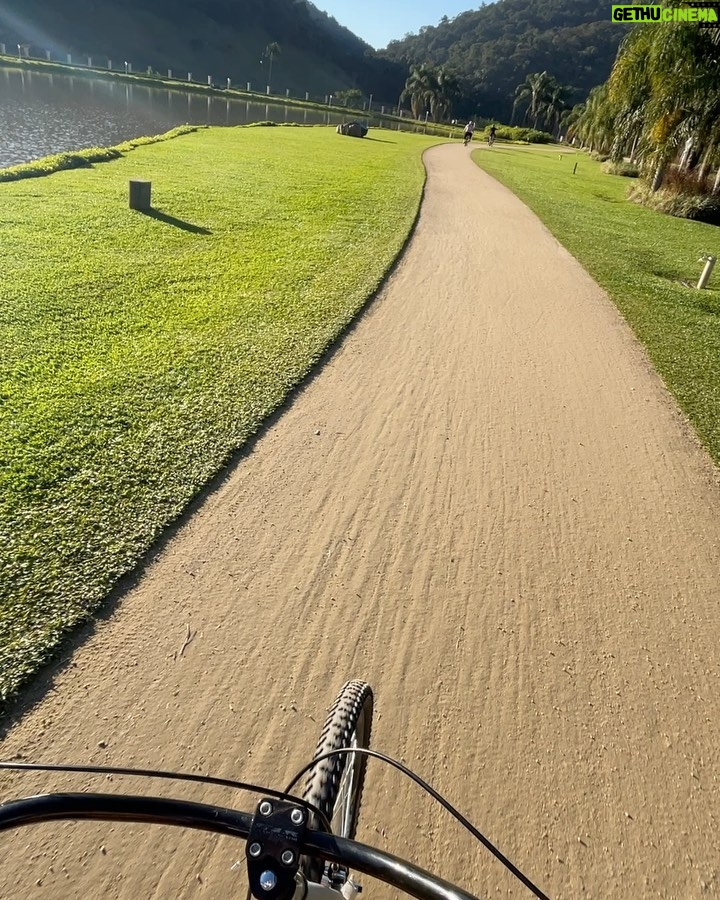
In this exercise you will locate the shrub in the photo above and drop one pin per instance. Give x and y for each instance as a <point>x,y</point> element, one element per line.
<point>57,163</point>
<point>627,169</point>
<point>156,138</point>
<point>80,159</point>
<point>517,133</point>
<point>685,181</point>
<point>684,205</point>
<point>533,136</point>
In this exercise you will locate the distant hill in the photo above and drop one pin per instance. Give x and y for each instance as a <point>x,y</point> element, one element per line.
<point>222,38</point>
<point>494,48</point>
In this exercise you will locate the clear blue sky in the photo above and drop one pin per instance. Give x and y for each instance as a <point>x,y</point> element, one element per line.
<point>380,21</point>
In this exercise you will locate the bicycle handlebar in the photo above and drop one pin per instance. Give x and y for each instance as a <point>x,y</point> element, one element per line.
<point>187,814</point>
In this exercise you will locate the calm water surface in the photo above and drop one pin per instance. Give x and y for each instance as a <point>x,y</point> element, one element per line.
<point>42,114</point>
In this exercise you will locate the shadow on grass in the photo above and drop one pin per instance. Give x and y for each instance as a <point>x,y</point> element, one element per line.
<point>607,198</point>
<point>379,140</point>
<point>708,305</point>
<point>667,275</point>
<point>175,222</point>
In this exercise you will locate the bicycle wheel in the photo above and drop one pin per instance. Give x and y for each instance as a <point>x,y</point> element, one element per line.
<point>335,785</point>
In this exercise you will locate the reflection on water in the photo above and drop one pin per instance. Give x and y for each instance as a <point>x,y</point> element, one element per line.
<point>42,114</point>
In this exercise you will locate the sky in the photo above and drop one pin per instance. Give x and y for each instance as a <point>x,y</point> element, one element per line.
<point>380,21</point>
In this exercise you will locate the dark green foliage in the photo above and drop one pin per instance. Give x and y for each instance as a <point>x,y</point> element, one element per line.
<point>494,48</point>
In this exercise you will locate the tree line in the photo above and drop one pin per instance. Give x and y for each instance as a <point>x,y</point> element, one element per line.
<point>490,51</point>
<point>660,107</point>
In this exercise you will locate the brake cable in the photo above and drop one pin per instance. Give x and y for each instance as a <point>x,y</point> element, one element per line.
<point>475,832</point>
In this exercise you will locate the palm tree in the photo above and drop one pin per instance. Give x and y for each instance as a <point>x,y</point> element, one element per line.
<point>271,51</point>
<point>713,155</point>
<point>629,91</point>
<point>569,120</point>
<point>664,92</point>
<point>448,93</point>
<point>661,102</point>
<point>555,104</point>
<point>595,125</point>
<point>420,86</point>
<point>535,92</point>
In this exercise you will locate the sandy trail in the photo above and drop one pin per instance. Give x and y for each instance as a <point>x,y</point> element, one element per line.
<point>487,505</point>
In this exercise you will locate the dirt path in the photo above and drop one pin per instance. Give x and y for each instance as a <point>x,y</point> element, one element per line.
<point>486,505</point>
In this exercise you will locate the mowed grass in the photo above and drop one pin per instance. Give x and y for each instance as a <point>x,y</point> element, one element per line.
<point>138,352</point>
<point>641,258</point>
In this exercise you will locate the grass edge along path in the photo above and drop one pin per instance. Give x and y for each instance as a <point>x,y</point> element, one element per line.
<point>647,262</point>
<point>138,353</point>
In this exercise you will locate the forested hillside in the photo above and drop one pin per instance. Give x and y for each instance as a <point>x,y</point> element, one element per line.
<point>494,48</point>
<point>222,38</point>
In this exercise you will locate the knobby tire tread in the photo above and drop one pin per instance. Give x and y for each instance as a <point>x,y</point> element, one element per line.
<point>352,707</point>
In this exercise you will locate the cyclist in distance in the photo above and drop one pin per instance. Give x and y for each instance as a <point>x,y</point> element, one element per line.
<point>491,136</point>
<point>469,131</point>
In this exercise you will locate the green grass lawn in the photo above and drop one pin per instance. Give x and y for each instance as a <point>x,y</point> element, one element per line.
<point>138,352</point>
<point>641,258</point>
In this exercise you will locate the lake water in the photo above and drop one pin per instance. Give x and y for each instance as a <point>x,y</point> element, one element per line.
<point>42,114</point>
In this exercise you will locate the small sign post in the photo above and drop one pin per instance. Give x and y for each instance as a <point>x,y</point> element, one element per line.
<point>706,272</point>
<point>140,191</point>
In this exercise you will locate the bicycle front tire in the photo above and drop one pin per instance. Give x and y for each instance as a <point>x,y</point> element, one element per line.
<point>335,784</point>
